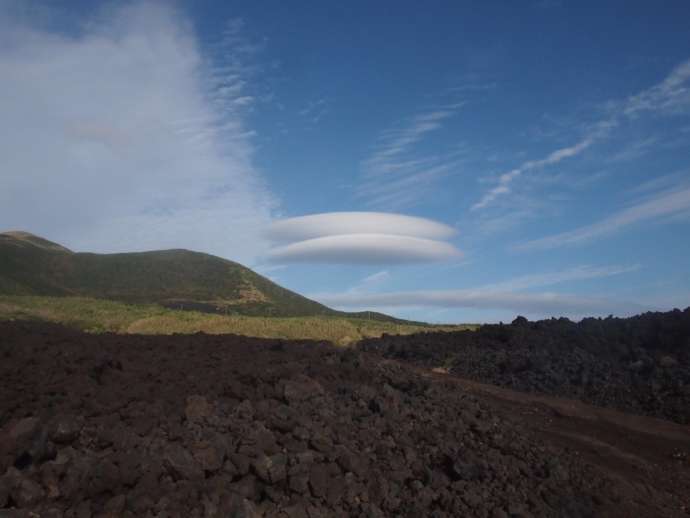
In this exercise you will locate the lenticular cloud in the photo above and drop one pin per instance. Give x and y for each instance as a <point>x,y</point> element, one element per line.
<point>360,238</point>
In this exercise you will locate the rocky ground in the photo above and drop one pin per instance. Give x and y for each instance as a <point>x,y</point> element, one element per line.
<point>226,426</point>
<point>639,365</point>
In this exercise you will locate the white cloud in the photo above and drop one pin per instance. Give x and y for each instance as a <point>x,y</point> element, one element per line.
<point>364,249</point>
<point>375,278</point>
<point>392,176</point>
<point>552,304</point>
<point>634,150</point>
<point>370,282</point>
<point>360,238</point>
<point>577,273</point>
<point>126,137</point>
<point>500,296</point>
<point>672,95</point>
<point>336,223</point>
<point>506,179</point>
<point>664,204</point>
<point>315,110</point>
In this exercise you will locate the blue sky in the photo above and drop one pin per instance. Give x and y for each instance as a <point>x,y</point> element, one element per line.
<point>539,150</point>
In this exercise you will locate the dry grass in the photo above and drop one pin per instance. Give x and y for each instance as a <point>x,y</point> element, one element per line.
<point>95,315</point>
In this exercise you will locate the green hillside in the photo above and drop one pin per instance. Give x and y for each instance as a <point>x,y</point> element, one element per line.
<point>179,279</point>
<point>30,265</point>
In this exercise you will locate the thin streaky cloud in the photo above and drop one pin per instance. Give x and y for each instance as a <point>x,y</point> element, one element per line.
<point>505,295</point>
<point>577,273</point>
<point>553,304</point>
<point>664,204</point>
<point>370,282</point>
<point>394,175</point>
<point>505,180</point>
<point>634,150</point>
<point>672,95</point>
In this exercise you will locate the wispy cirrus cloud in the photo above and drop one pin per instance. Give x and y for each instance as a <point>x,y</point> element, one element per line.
<point>395,175</point>
<point>370,282</point>
<point>506,179</point>
<point>668,203</point>
<point>634,150</point>
<point>672,95</point>
<point>577,273</point>
<point>375,278</point>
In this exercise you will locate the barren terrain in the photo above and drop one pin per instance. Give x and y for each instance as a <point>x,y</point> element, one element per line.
<point>199,425</point>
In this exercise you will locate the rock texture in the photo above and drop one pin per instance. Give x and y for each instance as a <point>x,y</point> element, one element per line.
<point>226,426</point>
<point>639,364</point>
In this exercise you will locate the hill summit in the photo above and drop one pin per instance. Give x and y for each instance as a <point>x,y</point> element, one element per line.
<point>182,279</point>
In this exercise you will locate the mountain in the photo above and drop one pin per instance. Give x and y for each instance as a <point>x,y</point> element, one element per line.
<point>31,265</point>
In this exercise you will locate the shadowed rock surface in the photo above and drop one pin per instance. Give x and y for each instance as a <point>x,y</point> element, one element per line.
<point>227,426</point>
<point>639,364</point>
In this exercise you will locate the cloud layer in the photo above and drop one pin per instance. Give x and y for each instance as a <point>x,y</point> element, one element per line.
<point>124,137</point>
<point>665,204</point>
<point>546,303</point>
<point>360,238</point>
<point>338,223</point>
<point>365,249</point>
<point>505,295</point>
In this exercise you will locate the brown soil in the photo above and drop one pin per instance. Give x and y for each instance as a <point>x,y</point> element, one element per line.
<point>227,426</point>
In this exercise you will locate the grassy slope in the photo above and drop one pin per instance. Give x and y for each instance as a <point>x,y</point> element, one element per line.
<point>96,315</point>
<point>30,265</point>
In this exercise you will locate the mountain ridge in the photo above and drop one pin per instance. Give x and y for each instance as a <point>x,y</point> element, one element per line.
<point>174,278</point>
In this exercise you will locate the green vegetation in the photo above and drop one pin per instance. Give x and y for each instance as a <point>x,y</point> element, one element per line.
<point>145,292</point>
<point>30,265</point>
<point>97,315</point>
<point>178,279</point>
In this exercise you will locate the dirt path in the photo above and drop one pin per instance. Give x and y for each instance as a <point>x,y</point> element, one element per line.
<point>642,452</point>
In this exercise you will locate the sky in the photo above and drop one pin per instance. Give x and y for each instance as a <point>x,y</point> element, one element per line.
<point>449,161</point>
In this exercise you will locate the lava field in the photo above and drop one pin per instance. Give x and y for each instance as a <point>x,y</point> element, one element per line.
<point>227,426</point>
<point>639,365</point>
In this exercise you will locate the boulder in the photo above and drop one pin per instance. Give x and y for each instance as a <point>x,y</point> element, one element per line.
<point>197,409</point>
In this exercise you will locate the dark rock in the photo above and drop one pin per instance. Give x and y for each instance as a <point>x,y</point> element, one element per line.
<point>301,388</point>
<point>240,462</point>
<point>128,464</point>
<point>197,409</point>
<point>65,429</point>
<point>237,507</point>
<point>104,476</point>
<point>299,483</point>
<point>668,362</point>
<point>271,469</point>
<point>319,480</point>
<point>116,505</point>
<point>4,491</point>
<point>22,490</point>
<point>25,443</point>
<point>182,464</point>
<point>208,456</point>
